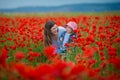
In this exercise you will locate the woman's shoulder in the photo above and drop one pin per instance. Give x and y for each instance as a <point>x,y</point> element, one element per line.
<point>61,28</point>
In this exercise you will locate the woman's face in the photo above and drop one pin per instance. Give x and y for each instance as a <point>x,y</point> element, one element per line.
<point>54,29</point>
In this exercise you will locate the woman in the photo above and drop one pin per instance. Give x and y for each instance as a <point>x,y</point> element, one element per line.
<point>52,33</point>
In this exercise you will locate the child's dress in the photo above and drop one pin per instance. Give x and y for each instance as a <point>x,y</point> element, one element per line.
<point>65,38</point>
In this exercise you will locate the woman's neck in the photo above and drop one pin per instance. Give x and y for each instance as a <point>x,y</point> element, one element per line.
<point>55,37</point>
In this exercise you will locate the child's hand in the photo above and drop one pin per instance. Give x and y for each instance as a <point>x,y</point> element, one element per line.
<point>61,39</point>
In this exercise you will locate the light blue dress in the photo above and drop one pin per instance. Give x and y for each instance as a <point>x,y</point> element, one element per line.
<point>66,40</point>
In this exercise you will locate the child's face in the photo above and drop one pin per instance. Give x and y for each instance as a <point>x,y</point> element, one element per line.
<point>69,30</point>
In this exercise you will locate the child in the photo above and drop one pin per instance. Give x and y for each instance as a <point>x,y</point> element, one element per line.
<point>66,37</point>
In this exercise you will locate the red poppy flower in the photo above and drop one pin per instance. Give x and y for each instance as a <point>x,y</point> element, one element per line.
<point>31,58</point>
<point>90,38</point>
<point>30,49</point>
<point>13,47</point>
<point>118,39</point>
<point>89,52</point>
<point>19,55</point>
<point>93,72</point>
<point>50,51</point>
<point>102,36</point>
<point>34,54</point>
<point>116,62</point>
<point>78,69</point>
<point>67,44</point>
<point>3,57</point>
<point>112,52</point>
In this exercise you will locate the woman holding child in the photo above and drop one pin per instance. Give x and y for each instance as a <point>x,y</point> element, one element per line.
<point>58,36</point>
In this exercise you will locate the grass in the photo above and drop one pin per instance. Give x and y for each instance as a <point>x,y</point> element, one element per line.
<point>67,14</point>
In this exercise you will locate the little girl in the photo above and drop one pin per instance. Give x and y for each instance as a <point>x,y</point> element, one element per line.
<point>66,36</point>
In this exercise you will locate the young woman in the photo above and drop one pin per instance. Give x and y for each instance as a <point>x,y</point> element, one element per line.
<point>52,33</point>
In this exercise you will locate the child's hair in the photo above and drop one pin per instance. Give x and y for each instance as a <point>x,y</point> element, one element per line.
<point>72,25</point>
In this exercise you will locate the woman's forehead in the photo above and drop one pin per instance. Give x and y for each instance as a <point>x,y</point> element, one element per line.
<point>55,25</point>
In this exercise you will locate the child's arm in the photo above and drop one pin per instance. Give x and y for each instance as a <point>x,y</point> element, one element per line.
<point>61,39</point>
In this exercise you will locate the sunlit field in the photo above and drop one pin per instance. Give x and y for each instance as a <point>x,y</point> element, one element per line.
<point>24,57</point>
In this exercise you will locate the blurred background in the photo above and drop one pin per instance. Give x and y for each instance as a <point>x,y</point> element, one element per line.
<point>59,5</point>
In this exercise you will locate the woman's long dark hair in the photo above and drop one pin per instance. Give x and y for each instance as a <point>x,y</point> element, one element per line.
<point>47,33</point>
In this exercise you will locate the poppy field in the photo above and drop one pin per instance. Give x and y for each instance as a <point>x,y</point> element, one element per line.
<point>24,57</point>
